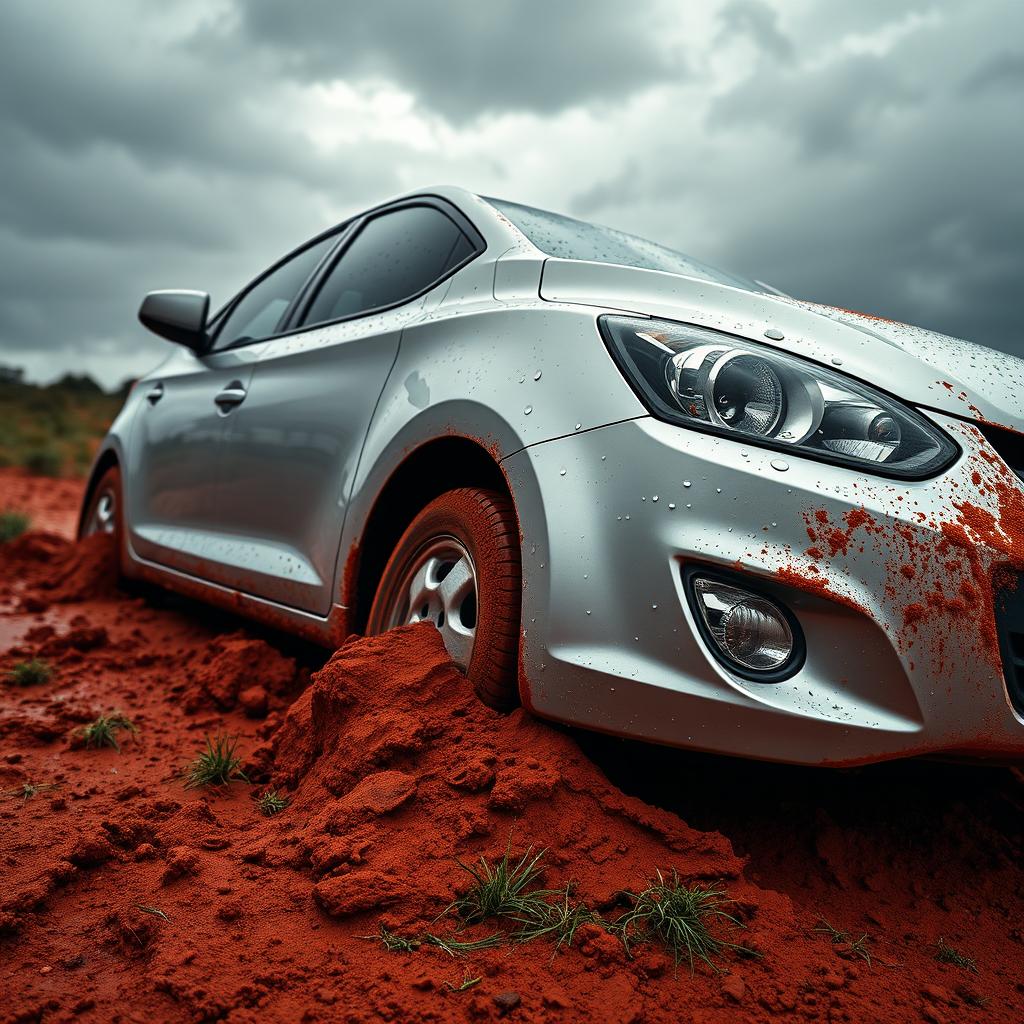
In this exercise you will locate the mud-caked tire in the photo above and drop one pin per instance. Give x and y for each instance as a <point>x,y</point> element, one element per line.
<point>468,537</point>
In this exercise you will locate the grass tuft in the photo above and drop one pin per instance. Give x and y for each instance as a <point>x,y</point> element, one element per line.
<point>272,802</point>
<point>501,889</point>
<point>44,460</point>
<point>103,731</point>
<point>30,673</point>
<point>948,955</point>
<point>12,525</point>
<point>678,917</point>
<point>217,765</point>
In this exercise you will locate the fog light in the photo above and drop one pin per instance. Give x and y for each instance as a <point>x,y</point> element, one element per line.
<point>750,631</point>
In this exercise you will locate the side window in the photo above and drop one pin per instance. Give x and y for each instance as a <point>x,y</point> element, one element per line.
<point>394,257</point>
<point>259,311</point>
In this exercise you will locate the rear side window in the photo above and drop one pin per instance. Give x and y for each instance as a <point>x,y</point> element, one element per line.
<point>258,312</point>
<point>395,257</point>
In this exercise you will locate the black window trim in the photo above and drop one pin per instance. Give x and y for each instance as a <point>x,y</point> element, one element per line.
<point>346,231</point>
<point>294,322</point>
<point>217,321</point>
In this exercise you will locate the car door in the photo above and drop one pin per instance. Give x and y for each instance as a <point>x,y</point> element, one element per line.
<point>290,456</point>
<point>174,457</point>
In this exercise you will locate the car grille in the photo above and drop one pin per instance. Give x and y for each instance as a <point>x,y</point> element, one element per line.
<point>1010,446</point>
<point>1010,624</point>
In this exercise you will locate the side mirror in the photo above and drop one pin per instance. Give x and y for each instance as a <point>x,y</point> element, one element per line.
<point>178,316</point>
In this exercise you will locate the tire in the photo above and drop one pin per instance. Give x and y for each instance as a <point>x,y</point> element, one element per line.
<point>465,524</point>
<point>105,512</point>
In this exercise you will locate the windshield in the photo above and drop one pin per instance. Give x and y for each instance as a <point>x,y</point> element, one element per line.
<point>571,239</point>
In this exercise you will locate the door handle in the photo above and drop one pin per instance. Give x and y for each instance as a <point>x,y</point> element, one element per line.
<point>234,394</point>
<point>154,394</point>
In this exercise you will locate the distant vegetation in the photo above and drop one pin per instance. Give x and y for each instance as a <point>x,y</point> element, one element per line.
<point>53,430</point>
<point>12,525</point>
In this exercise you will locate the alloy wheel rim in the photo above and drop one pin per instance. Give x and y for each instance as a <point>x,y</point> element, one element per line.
<point>440,586</point>
<point>104,514</point>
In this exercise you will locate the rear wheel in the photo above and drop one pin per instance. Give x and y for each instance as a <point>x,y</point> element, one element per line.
<point>457,566</point>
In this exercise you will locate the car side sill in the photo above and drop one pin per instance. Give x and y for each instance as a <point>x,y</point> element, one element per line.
<point>328,632</point>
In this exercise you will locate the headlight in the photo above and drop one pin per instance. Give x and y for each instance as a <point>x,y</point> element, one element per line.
<point>711,381</point>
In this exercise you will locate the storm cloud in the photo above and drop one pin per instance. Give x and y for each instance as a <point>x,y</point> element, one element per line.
<point>868,156</point>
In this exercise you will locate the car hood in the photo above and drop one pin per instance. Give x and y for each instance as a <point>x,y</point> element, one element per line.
<point>921,367</point>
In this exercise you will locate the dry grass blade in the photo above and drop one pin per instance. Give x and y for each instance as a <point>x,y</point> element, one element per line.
<point>395,943</point>
<point>679,917</point>
<point>27,790</point>
<point>392,942</point>
<point>103,731</point>
<point>467,983</point>
<point>155,911</point>
<point>834,934</point>
<point>30,673</point>
<point>217,765</point>
<point>454,947</point>
<point>849,947</point>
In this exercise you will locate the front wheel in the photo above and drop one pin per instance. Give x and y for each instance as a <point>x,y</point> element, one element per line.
<point>458,566</point>
<point>105,513</point>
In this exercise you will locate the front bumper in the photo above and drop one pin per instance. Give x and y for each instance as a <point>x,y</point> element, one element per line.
<point>890,582</point>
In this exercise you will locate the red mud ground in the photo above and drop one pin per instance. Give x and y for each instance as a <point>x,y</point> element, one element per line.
<point>394,769</point>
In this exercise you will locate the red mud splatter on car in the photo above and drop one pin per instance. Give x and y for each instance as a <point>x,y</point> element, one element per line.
<point>962,397</point>
<point>816,585</point>
<point>867,316</point>
<point>942,570</point>
<point>393,770</point>
<point>838,538</point>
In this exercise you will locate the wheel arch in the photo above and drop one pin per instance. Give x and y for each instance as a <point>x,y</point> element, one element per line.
<point>104,461</point>
<point>434,467</point>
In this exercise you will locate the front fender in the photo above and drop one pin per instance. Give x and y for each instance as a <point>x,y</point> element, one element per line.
<point>506,378</point>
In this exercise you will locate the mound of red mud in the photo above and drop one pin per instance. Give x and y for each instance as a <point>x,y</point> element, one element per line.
<point>389,752</point>
<point>124,896</point>
<point>58,571</point>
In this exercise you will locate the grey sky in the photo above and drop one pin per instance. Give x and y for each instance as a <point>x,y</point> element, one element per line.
<point>869,155</point>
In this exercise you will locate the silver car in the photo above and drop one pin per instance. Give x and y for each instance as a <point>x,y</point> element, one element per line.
<point>632,492</point>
